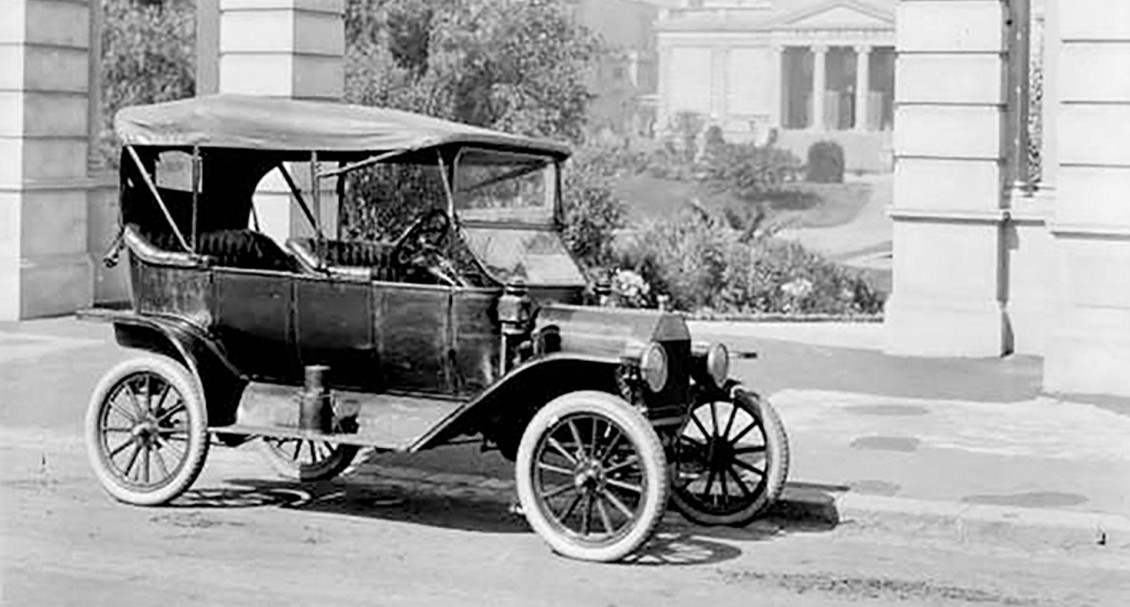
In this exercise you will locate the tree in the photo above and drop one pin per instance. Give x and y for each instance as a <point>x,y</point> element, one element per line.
<point>513,65</point>
<point>518,66</point>
<point>148,55</point>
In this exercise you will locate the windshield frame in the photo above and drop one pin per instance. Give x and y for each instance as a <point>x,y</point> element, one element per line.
<point>552,163</point>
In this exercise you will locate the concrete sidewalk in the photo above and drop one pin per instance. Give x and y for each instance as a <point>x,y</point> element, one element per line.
<point>965,449</point>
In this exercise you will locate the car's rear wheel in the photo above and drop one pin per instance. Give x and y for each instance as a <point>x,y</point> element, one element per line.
<point>731,459</point>
<point>306,460</point>
<point>147,430</point>
<point>592,476</point>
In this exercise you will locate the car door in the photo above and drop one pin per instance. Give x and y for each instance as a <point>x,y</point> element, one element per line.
<point>334,327</point>
<point>413,335</point>
<point>253,319</point>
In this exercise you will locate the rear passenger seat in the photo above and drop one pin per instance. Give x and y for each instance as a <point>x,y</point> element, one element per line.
<point>245,249</point>
<point>352,257</point>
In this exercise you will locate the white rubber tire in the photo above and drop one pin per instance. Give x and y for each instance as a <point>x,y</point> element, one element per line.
<point>196,443</point>
<point>776,470</point>
<point>644,440</point>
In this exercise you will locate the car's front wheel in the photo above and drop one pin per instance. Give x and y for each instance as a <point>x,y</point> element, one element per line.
<point>731,458</point>
<point>592,476</point>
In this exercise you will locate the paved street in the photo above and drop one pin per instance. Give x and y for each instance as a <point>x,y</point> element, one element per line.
<point>435,529</point>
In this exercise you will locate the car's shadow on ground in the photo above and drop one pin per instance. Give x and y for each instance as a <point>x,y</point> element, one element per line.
<point>676,542</point>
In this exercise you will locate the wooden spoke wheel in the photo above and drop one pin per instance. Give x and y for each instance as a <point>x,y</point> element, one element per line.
<point>731,459</point>
<point>305,459</point>
<point>591,476</point>
<point>147,430</point>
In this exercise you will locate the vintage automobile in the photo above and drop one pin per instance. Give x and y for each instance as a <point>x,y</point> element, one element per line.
<point>468,327</point>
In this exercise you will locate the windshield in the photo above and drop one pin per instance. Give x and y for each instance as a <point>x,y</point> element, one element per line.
<point>505,187</point>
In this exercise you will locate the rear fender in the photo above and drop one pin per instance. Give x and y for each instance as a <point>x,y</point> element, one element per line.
<point>502,412</point>
<point>221,382</point>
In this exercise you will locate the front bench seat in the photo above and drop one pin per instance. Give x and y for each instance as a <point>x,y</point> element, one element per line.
<point>354,258</point>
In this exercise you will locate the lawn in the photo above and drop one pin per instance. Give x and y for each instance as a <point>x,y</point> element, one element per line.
<point>800,205</point>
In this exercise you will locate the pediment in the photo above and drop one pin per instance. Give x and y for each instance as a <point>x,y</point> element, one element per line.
<point>841,14</point>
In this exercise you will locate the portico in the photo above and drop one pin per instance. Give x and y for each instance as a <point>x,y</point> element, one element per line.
<point>799,71</point>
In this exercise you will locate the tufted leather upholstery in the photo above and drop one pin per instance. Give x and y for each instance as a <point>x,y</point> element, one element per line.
<point>330,254</point>
<point>244,249</point>
<point>233,249</point>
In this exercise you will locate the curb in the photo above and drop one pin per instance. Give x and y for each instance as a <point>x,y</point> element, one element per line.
<point>804,506</point>
<point>783,317</point>
<point>1028,528</point>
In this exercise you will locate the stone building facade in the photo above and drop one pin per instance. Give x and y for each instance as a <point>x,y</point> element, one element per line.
<point>985,263</point>
<point>797,71</point>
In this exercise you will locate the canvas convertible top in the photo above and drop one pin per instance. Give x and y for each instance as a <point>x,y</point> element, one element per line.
<point>271,124</point>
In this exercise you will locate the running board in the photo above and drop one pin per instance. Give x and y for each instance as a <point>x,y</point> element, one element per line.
<point>390,422</point>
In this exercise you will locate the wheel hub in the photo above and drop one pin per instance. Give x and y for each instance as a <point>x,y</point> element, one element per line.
<point>146,431</point>
<point>719,453</point>
<point>588,474</point>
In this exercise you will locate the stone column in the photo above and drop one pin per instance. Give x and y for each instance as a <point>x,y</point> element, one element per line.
<point>285,48</point>
<point>862,87</point>
<point>776,86</point>
<point>663,86</point>
<point>1089,346</point>
<point>719,85</point>
<point>950,272</point>
<point>44,125</point>
<point>819,84</point>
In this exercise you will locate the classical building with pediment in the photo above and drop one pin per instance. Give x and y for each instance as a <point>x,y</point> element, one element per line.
<point>795,70</point>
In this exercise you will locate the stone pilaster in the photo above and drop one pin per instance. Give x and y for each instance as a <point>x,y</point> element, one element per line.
<point>950,267</point>
<point>44,124</point>
<point>284,48</point>
<point>1089,346</point>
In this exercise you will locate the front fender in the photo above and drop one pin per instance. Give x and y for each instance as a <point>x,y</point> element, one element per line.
<point>731,390</point>
<point>502,411</point>
<point>221,382</point>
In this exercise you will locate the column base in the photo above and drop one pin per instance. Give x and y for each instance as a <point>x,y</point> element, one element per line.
<point>946,328</point>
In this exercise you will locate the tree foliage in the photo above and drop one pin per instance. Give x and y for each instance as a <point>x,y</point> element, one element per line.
<point>513,65</point>
<point>518,66</point>
<point>148,55</point>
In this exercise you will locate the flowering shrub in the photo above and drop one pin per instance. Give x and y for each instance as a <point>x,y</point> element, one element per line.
<point>630,290</point>
<point>704,265</point>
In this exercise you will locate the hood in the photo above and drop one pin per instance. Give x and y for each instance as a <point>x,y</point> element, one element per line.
<point>610,332</point>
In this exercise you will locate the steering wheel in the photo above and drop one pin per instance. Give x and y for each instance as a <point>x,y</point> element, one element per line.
<point>422,246</point>
<point>427,232</point>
